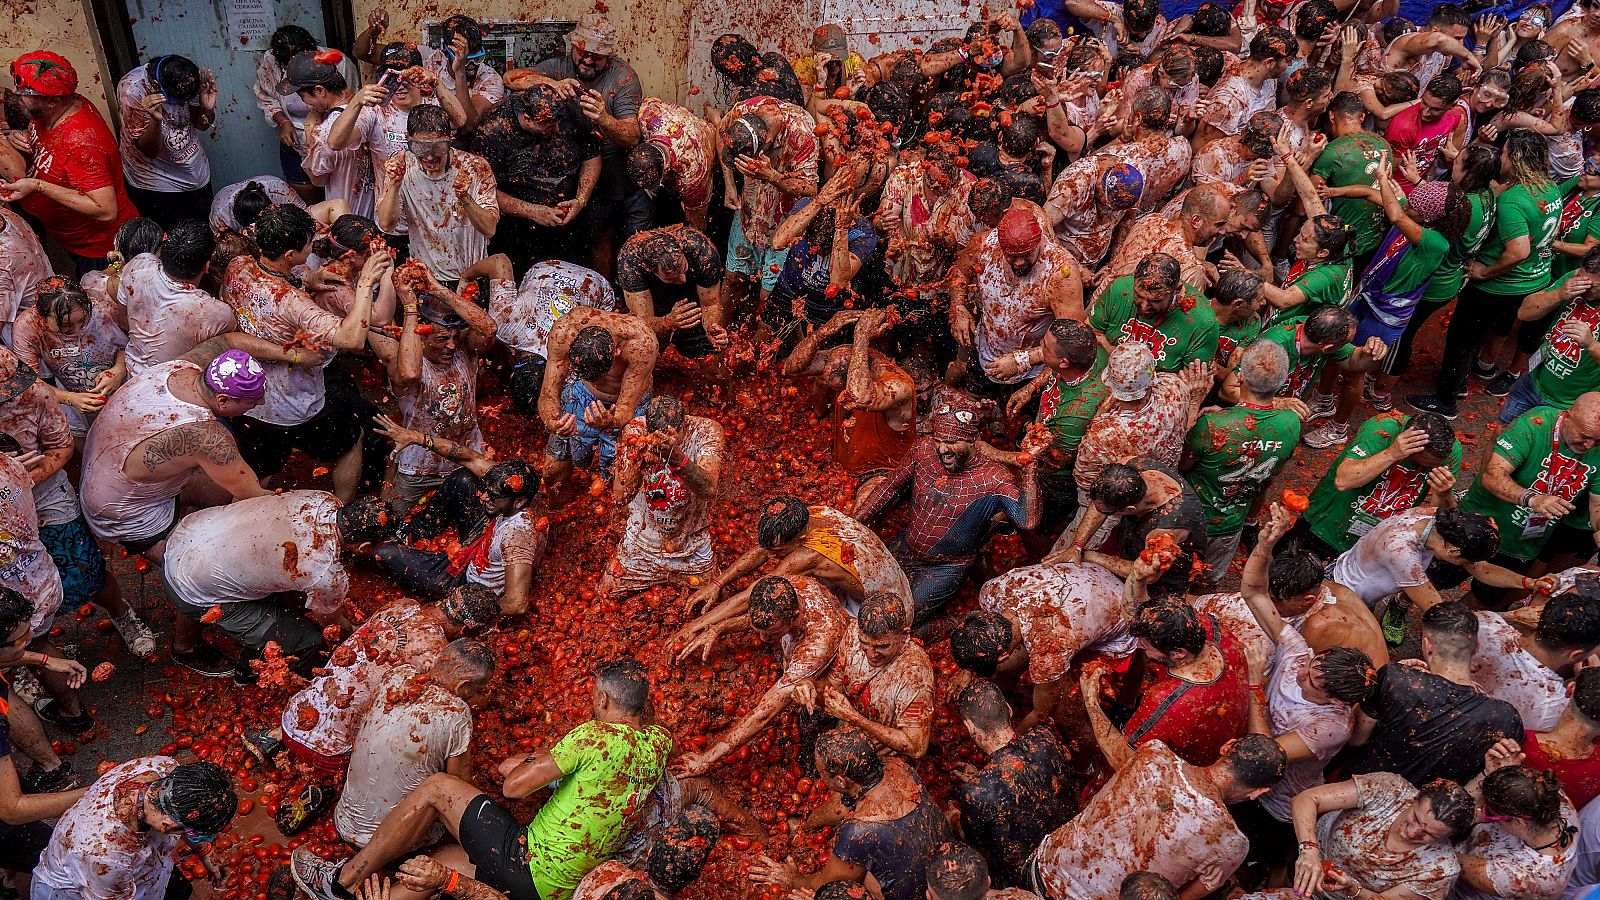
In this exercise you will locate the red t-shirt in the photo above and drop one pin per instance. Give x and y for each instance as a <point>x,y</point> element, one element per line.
<point>1194,719</point>
<point>1580,778</point>
<point>81,153</point>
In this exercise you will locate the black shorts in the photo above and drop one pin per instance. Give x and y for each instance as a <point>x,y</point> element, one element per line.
<point>140,545</point>
<point>22,845</point>
<point>497,845</point>
<point>324,437</point>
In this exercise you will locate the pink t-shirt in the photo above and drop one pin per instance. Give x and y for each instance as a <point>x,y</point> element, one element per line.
<point>1407,131</point>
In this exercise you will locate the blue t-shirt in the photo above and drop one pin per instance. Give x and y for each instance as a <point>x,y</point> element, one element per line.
<point>897,853</point>
<point>806,271</point>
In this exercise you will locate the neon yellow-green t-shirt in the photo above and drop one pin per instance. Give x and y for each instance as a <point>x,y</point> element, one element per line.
<point>607,772</point>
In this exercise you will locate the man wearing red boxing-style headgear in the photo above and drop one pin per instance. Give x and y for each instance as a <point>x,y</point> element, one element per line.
<point>72,178</point>
<point>1023,280</point>
<point>955,495</point>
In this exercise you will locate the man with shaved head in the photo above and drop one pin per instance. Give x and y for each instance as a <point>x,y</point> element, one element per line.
<point>1539,485</point>
<point>1186,237</point>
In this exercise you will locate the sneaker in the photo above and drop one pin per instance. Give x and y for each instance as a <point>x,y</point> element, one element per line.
<point>1431,403</point>
<point>136,634</point>
<point>1322,405</point>
<point>262,747</point>
<point>1394,621</point>
<point>39,781</point>
<point>1328,434</point>
<point>297,815</point>
<point>1382,401</point>
<point>205,659</point>
<point>1500,385</point>
<point>50,711</point>
<point>280,884</point>
<point>1484,371</point>
<point>318,877</point>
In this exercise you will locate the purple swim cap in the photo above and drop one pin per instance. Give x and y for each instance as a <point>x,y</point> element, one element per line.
<point>1122,184</point>
<point>236,374</point>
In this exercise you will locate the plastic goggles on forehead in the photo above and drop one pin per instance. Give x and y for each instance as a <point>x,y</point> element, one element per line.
<point>964,416</point>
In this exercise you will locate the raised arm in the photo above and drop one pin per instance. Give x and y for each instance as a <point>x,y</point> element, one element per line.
<point>1253,585</point>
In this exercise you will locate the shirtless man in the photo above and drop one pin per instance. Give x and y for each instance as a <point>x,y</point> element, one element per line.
<point>1426,52</point>
<point>1023,282</point>
<point>1040,618</point>
<point>668,466</point>
<point>802,617</point>
<point>1159,814</point>
<point>818,541</point>
<point>874,401</point>
<point>600,368</point>
<point>1324,613</point>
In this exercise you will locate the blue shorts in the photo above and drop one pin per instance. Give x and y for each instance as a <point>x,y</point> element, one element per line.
<point>745,258</point>
<point>1368,325</point>
<point>589,443</point>
<point>1523,397</point>
<point>78,558</point>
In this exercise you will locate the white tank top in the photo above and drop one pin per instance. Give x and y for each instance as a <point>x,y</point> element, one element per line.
<point>117,506</point>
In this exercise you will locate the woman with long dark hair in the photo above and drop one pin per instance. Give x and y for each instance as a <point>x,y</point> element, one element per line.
<point>1513,262</point>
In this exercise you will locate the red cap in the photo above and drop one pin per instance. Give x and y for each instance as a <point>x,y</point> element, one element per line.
<point>44,74</point>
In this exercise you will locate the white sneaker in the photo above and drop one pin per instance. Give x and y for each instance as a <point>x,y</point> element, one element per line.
<point>136,634</point>
<point>1328,434</point>
<point>1322,405</point>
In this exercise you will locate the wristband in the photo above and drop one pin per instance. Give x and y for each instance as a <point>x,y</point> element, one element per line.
<point>44,659</point>
<point>1527,497</point>
<point>1078,545</point>
<point>455,879</point>
<point>1311,845</point>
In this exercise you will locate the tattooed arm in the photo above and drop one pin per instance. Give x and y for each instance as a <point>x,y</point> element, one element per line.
<point>210,447</point>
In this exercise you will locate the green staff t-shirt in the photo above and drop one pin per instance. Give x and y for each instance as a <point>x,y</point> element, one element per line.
<point>1353,159</point>
<point>1339,517</point>
<point>1561,369</point>
<point>1535,215</point>
<point>1302,370</point>
<point>1480,220</point>
<point>1236,451</point>
<point>1186,333</point>
<point>1541,461</point>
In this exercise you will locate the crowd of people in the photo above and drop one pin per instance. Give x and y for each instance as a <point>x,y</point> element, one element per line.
<point>1073,290</point>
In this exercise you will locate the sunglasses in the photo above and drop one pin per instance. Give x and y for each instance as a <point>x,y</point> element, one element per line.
<point>197,837</point>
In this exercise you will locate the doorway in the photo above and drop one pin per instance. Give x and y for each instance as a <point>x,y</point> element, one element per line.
<point>227,37</point>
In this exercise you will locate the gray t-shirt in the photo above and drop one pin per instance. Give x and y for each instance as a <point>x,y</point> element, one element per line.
<point>618,84</point>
